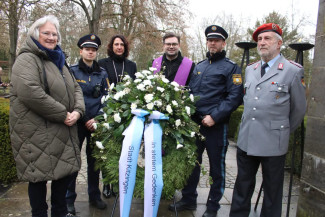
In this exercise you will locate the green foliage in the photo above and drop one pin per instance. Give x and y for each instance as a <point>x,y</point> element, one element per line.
<point>7,163</point>
<point>234,122</point>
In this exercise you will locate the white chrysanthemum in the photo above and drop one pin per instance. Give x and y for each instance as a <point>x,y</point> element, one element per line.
<point>99,145</point>
<point>127,90</point>
<point>175,84</point>
<point>126,77</point>
<point>169,109</point>
<point>176,89</point>
<point>134,106</point>
<point>161,89</point>
<point>178,122</point>
<point>188,110</point>
<point>148,98</point>
<point>117,117</point>
<point>139,75</point>
<point>141,87</point>
<point>165,80</point>
<point>192,97</point>
<point>146,72</point>
<point>105,116</point>
<point>150,106</point>
<point>179,146</point>
<point>111,86</point>
<point>192,134</point>
<point>119,94</point>
<point>137,80</point>
<point>152,69</point>
<point>106,125</point>
<point>174,102</point>
<point>95,126</point>
<point>149,77</point>
<point>102,100</point>
<point>147,82</point>
<point>127,83</point>
<point>158,103</point>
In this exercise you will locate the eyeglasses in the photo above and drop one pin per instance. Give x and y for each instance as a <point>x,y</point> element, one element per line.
<point>49,34</point>
<point>171,44</point>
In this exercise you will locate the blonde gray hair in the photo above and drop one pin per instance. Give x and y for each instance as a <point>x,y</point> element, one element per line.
<point>34,29</point>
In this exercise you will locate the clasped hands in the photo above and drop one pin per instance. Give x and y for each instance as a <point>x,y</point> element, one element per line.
<point>71,118</point>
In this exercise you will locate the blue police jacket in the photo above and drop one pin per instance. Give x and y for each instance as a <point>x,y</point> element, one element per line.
<point>94,84</point>
<point>218,82</point>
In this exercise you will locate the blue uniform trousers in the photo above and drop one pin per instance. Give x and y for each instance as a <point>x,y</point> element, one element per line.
<point>93,175</point>
<point>216,144</point>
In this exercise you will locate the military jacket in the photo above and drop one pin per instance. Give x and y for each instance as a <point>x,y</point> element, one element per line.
<point>219,86</point>
<point>274,106</point>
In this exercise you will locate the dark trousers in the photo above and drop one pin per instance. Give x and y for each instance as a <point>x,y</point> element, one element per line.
<point>273,175</point>
<point>37,198</point>
<point>93,175</point>
<point>216,144</point>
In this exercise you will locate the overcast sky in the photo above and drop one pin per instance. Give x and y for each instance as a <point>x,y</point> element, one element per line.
<point>251,10</point>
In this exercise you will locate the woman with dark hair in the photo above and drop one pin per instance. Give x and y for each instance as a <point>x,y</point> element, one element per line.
<point>117,64</point>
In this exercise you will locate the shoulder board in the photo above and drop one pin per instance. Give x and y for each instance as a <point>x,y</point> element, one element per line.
<point>230,61</point>
<point>102,69</point>
<point>201,61</point>
<point>252,63</point>
<point>74,65</point>
<point>294,63</point>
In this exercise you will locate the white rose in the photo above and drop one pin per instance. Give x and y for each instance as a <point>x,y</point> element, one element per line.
<point>103,157</point>
<point>161,89</point>
<point>105,116</point>
<point>127,83</point>
<point>174,102</point>
<point>141,87</point>
<point>95,126</point>
<point>175,84</point>
<point>192,97</point>
<point>178,122</point>
<point>152,69</point>
<point>127,90</point>
<point>137,80</point>
<point>139,75</point>
<point>133,106</point>
<point>165,80</point>
<point>150,106</point>
<point>150,77</point>
<point>179,146</point>
<point>106,125</point>
<point>148,98</point>
<point>111,86</point>
<point>117,117</point>
<point>176,89</point>
<point>188,110</point>
<point>126,77</point>
<point>99,145</point>
<point>157,103</point>
<point>192,134</point>
<point>169,109</point>
<point>146,72</point>
<point>102,100</point>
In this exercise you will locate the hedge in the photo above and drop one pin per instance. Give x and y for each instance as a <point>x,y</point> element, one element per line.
<point>234,122</point>
<point>7,163</point>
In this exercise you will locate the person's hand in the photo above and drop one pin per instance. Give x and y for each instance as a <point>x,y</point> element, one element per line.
<point>90,126</point>
<point>72,118</point>
<point>208,121</point>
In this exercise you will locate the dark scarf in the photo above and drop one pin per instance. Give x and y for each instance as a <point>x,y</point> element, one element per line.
<point>84,67</point>
<point>56,56</point>
<point>216,56</point>
<point>117,58</point>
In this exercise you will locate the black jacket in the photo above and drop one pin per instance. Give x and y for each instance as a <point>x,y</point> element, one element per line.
<point>129,67</point>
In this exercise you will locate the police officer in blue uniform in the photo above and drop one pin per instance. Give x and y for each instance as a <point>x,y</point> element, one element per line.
<point>93,81</point>
<point>217,81</point>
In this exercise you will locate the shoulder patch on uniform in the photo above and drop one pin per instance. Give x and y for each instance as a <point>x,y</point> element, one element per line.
<point>294,63</point>
<point>236,79</point>
<point>252,63</point>
<point>228,60</point>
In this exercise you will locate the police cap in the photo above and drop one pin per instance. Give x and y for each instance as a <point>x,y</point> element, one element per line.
<point>215,31</point>
<point>267,27</point>
<point>91,40</point>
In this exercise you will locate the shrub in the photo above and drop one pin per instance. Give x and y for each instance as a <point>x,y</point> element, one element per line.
<point>7,163</point>
<point>234,122</point>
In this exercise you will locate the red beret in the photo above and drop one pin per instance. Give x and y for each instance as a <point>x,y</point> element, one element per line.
<point>267,27</point>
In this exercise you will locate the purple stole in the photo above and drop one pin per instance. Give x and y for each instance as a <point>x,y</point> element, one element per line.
<point>182,72</point>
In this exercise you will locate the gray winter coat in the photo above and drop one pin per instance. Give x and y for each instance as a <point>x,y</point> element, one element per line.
<point>44,147</point>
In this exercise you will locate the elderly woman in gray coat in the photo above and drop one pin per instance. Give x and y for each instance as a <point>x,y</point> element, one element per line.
<point>45,103</point>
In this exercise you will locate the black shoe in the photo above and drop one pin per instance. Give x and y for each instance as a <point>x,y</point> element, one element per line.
<point>182,205</point>
<point>210,213</point>
<point>99,204</point>
<point>71,209</point>
<point>107,192</point>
